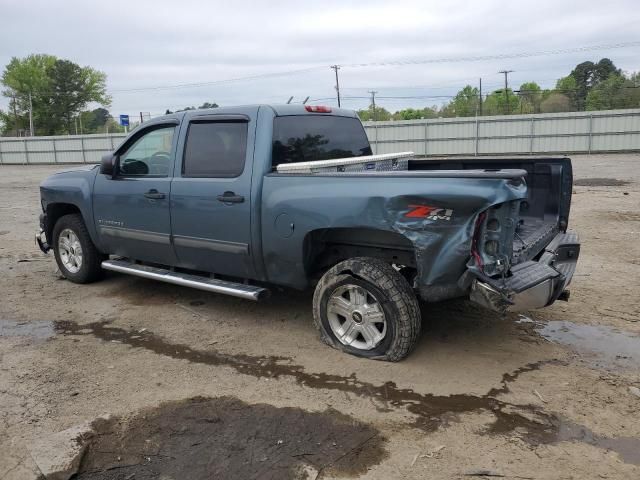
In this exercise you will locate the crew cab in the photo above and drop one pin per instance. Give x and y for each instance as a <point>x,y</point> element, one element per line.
<point>235,200</point>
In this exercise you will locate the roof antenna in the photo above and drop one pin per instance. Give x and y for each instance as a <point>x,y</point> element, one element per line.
<point>290,98</point>
<point>305,100</point>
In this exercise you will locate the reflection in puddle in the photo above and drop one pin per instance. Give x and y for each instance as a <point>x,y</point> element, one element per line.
<point>532,423</point>
<point>36,330</point>
<point>603,346</point>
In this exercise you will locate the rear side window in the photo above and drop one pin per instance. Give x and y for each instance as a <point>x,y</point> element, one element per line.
<point>305,138</point>
<point>215,149</point>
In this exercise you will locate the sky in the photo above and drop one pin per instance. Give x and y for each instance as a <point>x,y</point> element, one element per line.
<point>162,55</point>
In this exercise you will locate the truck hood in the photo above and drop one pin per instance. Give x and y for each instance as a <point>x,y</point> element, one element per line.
<point>82,168</point>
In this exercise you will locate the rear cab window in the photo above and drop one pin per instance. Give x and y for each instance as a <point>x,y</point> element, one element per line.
<point>307,138</point>
<point>215,149</point>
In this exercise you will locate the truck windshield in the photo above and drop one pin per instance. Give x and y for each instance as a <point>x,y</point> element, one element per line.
<point>305,138</point>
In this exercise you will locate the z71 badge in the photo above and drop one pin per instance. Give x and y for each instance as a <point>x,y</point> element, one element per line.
<point>429,213</point>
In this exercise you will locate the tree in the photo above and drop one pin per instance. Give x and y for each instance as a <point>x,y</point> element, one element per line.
<point>617,91</point>
<point>72,88</point>
<point>95,121</point>
<point>466,103</point>
<point>381,114</point>
<point>556,102</point>
<point>530,97</point>
<point>496,103</point>
<point>415,113</point>
<point>59,90</point>
<point>204,106</point>
<point>585,76</point>
<point>21,79</point>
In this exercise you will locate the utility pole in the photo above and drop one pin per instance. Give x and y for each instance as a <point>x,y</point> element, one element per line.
<point>506,89</point>
<point>373,103</point>
<point>80,121</point>
<point>480,97</point>
<point>15,113</point>
<point>336,68</point>
<point>31,132</point>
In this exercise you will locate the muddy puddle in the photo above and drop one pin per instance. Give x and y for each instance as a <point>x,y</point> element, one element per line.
<point>203,438</point>
<point>600,182</point>
<point>529,422</point>
<point>602,346</point>
<point>33,330</point>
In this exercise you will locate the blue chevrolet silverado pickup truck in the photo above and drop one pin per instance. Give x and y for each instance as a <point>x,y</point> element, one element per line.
<point>232,200</point>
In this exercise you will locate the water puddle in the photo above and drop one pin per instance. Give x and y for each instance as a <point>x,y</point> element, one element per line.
<point>600,182</point>
<point>530,422</point>
<point>35,330</point>
<point>602,346</point>
<point>224,437</point>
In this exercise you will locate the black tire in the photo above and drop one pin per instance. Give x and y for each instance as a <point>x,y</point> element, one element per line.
<point>90,269</point>
<point>390,289</point>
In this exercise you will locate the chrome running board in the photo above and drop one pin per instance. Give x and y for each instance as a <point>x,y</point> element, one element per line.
<point>249,292</point>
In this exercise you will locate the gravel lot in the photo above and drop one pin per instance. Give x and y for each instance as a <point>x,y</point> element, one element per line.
<point>206,386</point>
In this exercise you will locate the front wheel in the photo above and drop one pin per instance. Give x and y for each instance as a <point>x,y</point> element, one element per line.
<point>364,307</point>
<point>77,257</point>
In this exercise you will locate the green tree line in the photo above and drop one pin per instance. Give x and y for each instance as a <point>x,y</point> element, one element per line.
<point>589,86</point>
<point>56,91</point>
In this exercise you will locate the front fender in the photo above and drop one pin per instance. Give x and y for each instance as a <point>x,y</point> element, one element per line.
<point>74,188</point>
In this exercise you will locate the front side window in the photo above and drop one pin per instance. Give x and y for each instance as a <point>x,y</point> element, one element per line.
<point>215,149</point>
<point>149,155</point>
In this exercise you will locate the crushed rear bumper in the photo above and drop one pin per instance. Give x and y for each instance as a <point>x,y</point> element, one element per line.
<point>532,284</point>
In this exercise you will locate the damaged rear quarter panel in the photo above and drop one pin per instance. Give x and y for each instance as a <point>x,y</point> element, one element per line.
<point>442,242</point>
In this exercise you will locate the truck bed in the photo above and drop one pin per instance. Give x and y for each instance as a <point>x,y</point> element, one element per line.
<point>546,210</point>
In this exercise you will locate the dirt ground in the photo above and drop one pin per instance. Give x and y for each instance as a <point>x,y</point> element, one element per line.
<point>200,385</point>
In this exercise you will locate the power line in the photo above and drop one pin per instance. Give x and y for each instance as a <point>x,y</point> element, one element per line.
<point>479,58</point>
<point>501,56</point>
<point>219,82</point>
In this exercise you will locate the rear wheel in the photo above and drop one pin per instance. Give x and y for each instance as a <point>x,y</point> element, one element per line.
<point>364,307</point>
<point>77,257</point>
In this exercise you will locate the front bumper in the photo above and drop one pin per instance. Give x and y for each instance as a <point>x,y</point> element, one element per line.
<point>41,236</point>
<point>532,284</point>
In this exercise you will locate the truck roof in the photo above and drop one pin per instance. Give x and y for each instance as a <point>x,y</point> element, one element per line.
<point>279,109</point>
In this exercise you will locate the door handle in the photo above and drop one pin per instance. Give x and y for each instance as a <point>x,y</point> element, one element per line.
<point>230,197</point>
<point>154,194</point>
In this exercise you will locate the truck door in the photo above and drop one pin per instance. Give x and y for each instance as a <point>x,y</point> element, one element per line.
<point>131,208</point>
<point>211,195</point>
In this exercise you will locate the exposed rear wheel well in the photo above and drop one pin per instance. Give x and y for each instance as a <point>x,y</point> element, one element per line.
<point>325,248</point>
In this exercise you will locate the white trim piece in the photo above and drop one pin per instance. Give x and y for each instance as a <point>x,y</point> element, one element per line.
<point>305,167</point>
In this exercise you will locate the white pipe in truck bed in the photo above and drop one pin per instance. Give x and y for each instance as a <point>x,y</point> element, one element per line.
<point>383,162</point>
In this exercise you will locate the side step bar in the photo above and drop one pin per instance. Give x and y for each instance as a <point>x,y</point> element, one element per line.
<point>249,292</point>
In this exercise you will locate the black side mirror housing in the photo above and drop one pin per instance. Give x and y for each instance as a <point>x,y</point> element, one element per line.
<point>108,165</point>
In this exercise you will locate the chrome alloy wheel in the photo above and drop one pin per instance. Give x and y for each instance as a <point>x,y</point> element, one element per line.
<point>356,317</point>
<point>70,250</point>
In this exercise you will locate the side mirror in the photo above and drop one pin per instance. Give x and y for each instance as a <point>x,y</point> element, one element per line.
<point>108,165</point>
